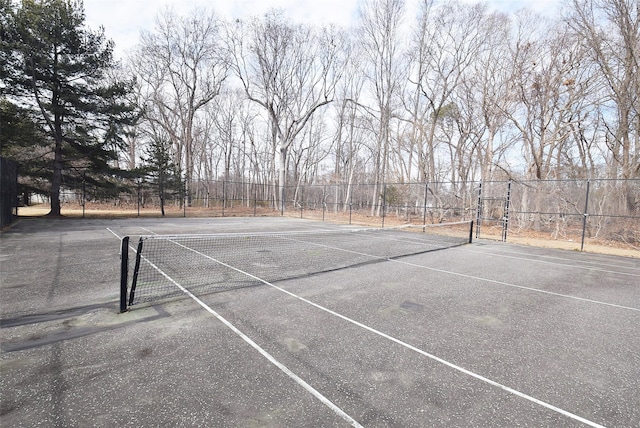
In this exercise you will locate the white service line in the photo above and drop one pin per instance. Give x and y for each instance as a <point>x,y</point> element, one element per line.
<point>114,234</point>
<point>147,230</point>
<point>534,260</point>
<point>135,250</point>
<point>478,278</point>
<point>537,290</point>
<point>264,353</point>
<point>337,410</point>
<point>395,340</point>
<point>529,256</point>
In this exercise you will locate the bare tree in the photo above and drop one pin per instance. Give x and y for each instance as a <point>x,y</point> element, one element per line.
<point>544,58</point>
<point>348,137</point>
<point>610,29</point>
<point>547,93</point>
<point>307,152</point>
<point>227,113</point>
<point>291,71</point>
<point>488,81</point>
<point>413,99</point>
<point>449,39</point>
<point>181,63</point>
<point>379,33</point>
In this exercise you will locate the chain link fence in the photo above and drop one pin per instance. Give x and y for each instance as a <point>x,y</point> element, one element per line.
<point>580,212</point>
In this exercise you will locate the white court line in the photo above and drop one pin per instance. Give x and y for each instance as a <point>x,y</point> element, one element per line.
<point>537,290</point>
<point>337,410</point>
<point>591,268</point>
<point>384,335</point>
<point>264,353</point>
<point>478,278</point>
<point>631,265</point>
<point>399,342</point>
<point>135,250</point>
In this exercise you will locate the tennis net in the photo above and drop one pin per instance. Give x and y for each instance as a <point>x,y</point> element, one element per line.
<point>167,264</point>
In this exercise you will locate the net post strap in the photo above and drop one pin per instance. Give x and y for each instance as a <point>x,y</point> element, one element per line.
<point>136,271</point>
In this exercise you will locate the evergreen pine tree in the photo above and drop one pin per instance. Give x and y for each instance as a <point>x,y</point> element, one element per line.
<point>162,171</point>
<point>57,68</point>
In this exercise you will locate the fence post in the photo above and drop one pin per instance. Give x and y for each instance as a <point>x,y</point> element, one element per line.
<point>138,195</point>
<point>324,195</point>
<point>255,199</point>
<point>282,191</point>
<point>224,195</point>
<point>84,191</point>
<point>184,199</point>
<point>479,212</point>
<point>301,200</point>
<point>384,202</point>
<point>505,224</point>
<point>424,211</point>
<point>585,215</point>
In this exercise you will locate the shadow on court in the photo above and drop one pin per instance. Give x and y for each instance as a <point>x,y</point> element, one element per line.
<point>486,334</point>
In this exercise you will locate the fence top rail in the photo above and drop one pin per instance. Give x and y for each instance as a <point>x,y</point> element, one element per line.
<point>430,183</point>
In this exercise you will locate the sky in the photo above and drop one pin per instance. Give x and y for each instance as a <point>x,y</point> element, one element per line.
<point>123,20</point>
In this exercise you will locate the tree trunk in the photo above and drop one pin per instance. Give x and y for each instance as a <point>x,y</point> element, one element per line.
<point>282,176</point>
<point>56,179</point>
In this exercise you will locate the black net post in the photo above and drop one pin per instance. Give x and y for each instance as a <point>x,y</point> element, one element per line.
<point>471,232</point>
<point>136,270</point>
<point>124,273</point>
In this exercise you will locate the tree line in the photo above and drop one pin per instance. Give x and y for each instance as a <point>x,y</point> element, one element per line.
<point>456,93</point>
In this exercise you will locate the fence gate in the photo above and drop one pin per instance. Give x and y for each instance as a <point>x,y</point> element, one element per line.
<point>493,211</point>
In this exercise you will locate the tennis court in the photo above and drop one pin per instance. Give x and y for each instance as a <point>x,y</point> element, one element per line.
<point>483,334</point>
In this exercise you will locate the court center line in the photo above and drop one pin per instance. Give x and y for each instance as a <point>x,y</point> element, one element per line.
<point>337,410</point>
<point>522,287</point>
<point>399,342</point>
<point>591,263</point>
<point>533,260</point>
<point>592,268</point>
<point>478,278</point>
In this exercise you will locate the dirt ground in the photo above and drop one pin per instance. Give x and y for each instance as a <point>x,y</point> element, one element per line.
<point>529,238</point>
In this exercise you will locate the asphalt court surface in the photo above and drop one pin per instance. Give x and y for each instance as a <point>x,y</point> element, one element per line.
<point>487,334</point>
